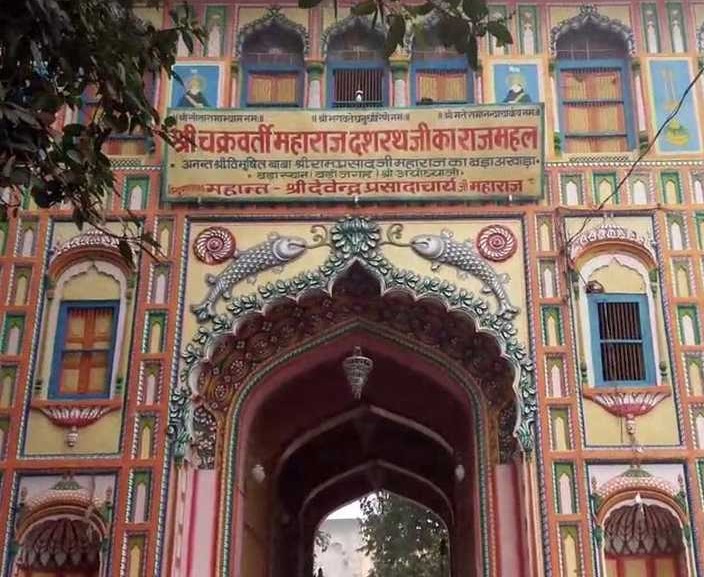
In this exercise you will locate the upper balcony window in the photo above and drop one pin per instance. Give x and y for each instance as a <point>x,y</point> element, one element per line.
<point>272,61</point>
<point>594,91</point>
<point>357,69</point>
<point>440,74</point>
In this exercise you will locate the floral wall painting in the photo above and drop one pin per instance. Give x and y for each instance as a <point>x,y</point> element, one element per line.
<point>200,87</point>
<point>676,19</point>
<point>669,79</point>
<point>215,19</point>
<point>528,24</point>
<point>516,83</point>
<point>651,29</point>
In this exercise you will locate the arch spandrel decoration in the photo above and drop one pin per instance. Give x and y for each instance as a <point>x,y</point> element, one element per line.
<point>588,14</point>
<point>273,17</point>
<point>342,26</point>
<point>351,241</point>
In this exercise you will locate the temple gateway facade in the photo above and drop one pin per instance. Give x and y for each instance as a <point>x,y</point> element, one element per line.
<point>376,273</point>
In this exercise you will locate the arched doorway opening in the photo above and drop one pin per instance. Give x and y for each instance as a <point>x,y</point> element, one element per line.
<point>382,533</point>
<point>437,410</point>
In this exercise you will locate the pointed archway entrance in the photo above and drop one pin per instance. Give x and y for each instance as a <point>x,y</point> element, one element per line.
<point>289,442</point>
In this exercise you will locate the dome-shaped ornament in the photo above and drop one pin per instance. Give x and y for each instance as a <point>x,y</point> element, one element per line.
<point>496,243</point>
<point>214,245</point>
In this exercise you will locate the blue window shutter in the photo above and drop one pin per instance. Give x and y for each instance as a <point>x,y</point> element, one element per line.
<point>645,340</point>
<point>61,329</point>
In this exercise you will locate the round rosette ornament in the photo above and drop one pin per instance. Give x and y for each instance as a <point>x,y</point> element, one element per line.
<point>214,245</point>
<point>496,243</point>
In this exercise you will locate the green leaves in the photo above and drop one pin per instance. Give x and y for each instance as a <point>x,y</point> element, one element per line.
<point>498,29</point>
<point>395,34</point>
<point>461,23</point>
<point>308,3</point>
<point>475,10</point>
<point>69,55</point>
<point>403,539</point>
<point>364,8</point>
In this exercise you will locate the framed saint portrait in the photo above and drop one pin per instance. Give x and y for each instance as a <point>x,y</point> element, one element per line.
<point>516,83</point>
<point>201,86</point>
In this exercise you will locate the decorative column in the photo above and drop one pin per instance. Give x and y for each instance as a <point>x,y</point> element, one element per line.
<point>315,73</point>
<point>399,75</point>
<point>557,136</point>
<point>479,81</point>
<point>640,104</point>
<point>234,82</point>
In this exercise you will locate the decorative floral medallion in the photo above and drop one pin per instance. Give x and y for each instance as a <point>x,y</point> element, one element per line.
<point>496,243</point>
<point>214,245</point>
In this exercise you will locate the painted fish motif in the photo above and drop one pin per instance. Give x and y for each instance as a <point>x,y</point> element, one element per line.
<point>274,252</point>
<point>443,249</point>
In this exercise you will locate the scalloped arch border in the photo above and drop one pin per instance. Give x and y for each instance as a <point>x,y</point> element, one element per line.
<point>339,260</point>
<point>589,14</point>
<point>273,17</point>
<point>341,26</point>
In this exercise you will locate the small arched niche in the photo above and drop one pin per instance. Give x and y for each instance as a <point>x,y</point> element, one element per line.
<point>616,304</point>
<point>272,58</point>
<point>440,74</point>
<point>357,71</point>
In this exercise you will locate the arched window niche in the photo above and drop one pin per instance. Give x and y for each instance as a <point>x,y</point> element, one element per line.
<point>62,531</point>
<point>642,527</point>
<point>440,75</point>
<point>272,53</point>
<point>618,309</point>
<point>594,84</point>
<point>88,302</point>
<point>357,70</point>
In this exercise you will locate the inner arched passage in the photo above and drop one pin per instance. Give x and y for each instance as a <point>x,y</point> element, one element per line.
<point>320,447</point>
<point>437,410</point>
<point>384,533</point>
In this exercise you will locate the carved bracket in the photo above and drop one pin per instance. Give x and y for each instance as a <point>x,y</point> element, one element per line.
<point>74,415</point>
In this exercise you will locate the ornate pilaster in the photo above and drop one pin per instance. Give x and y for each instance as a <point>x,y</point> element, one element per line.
<point>315,69</point>
<point>399,74</point>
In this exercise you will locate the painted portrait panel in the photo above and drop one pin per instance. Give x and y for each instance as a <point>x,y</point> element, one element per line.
<point>200,88</point>
<point>516,83</point>
<point>668,81</point>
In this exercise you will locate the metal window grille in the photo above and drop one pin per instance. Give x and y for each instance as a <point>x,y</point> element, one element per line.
<point>621,337</point>
<point>347,83</point>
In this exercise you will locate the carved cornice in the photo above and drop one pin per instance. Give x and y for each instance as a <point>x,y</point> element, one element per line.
<point>610,232</point>
<point>588,14</point>
<point>347,23</point>
<point>273,17</point>
<point>90,244</point>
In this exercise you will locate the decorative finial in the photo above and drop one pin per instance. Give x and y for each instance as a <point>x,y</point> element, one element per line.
<point>357,368</point>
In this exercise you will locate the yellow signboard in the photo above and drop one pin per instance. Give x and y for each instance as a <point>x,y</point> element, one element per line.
<point>478,152</point>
